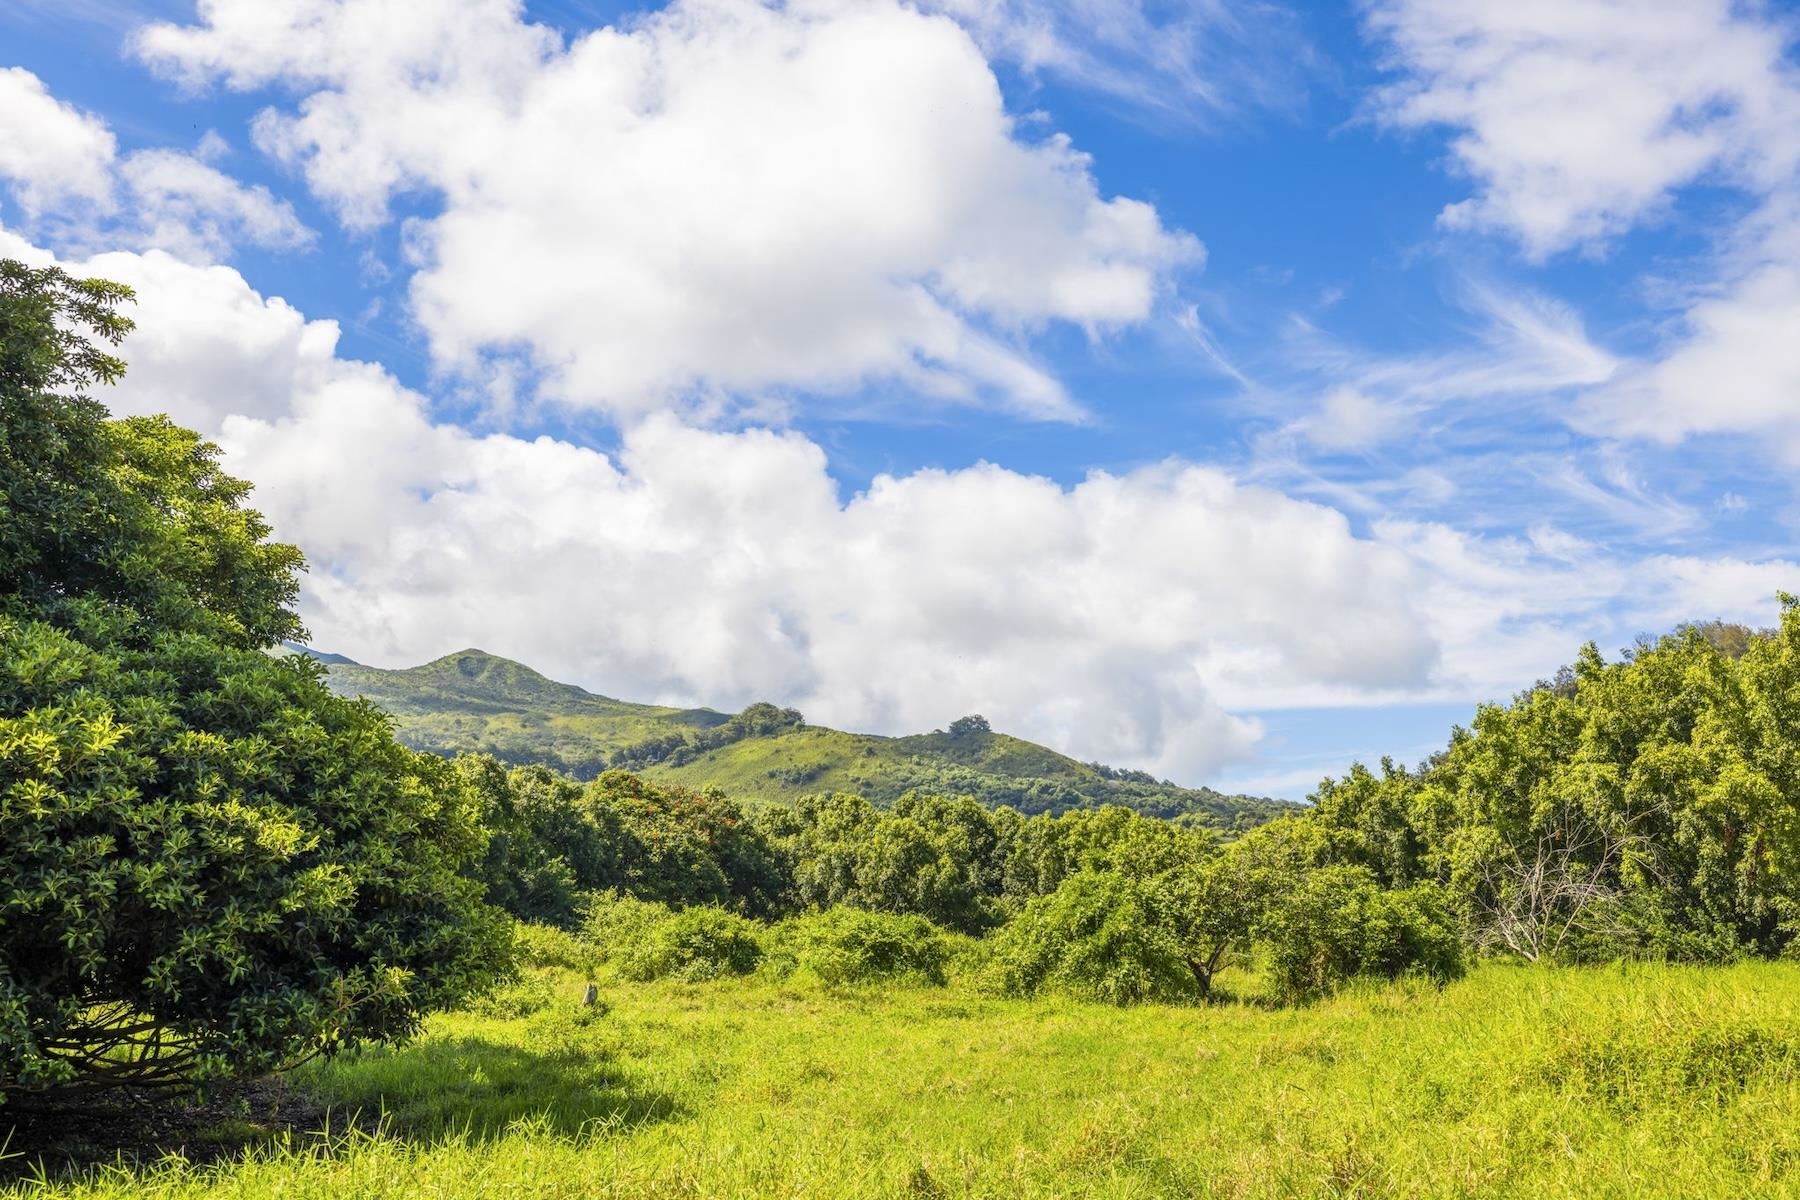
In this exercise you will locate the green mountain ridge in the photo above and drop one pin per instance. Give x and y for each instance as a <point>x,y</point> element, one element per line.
<point>473,701</point>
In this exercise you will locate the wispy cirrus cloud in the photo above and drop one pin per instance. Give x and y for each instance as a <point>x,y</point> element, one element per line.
<point>1194,61</point>
<point>1577,119</point>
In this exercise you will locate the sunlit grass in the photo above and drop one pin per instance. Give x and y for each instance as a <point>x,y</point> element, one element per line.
<point>1627,1082</point>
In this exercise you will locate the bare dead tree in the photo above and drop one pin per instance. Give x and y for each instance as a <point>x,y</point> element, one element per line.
<point>1533,901</point>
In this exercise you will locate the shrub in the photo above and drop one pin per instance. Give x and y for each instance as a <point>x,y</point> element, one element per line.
<point>1097,936</point>
<point>1336,923</point>
<point>616,923</point>
<point>692,945</point>
<point>850,945</point>
<point>548,946</point>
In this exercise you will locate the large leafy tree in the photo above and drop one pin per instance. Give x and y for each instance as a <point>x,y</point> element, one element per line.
<point>1645,806</point>
<point>208,863</point>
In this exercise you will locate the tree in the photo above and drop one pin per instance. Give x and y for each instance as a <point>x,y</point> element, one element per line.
<point>969,725</point>
<point>1338,924</point>
<point>682,846</point>
<point>527,869</point>
<point>1211,907</point>
<point>1101,936</point>
<point>209,863</point>
<point>1558,893</point>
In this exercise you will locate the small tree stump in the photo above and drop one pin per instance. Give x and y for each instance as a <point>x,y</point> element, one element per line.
<point>590,997</point>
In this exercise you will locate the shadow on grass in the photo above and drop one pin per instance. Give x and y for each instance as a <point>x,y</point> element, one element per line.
<point>474,1089</point>
<point>458,1089</point>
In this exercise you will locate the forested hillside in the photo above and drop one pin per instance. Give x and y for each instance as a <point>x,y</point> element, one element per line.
<point>471,702</point>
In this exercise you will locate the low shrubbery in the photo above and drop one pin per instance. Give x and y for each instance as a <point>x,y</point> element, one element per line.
<point>854,946</point>
<point>1101,935</point>
<point>548,946</point>
<point>520,998</point>
<point>1337,925</point>
<point>693,945</point>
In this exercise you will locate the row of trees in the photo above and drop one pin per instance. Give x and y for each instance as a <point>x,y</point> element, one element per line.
<point>1645,807</point>
<point>1103,902</point>
<point>1648,806</point>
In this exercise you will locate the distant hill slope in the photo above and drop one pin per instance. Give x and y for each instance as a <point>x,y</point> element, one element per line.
<point>474,701</point>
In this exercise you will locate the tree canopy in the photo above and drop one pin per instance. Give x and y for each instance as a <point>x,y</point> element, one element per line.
<point>210,863</point>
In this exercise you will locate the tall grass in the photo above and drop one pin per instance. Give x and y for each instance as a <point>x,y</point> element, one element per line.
<point>1626,1081</point>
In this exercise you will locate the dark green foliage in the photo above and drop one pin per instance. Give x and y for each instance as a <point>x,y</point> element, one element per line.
<point>208,862</point>
<point>1039,852</point>
<point>682,846</point>
<point>555,841</point>
<point>536,836</point>
<point>1336,924</point>
<point>853,946</point>
<point>925,858</point>
<point>1213,906</point>
<point>204,847</point>
<point>135,513</point>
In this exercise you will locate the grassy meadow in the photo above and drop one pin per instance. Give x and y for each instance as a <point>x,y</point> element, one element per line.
<point>1516,1081</point>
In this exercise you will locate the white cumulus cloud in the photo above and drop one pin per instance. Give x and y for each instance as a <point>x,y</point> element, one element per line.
<point>51,152</point>
<point>64,168</point>
<point>1577,119</point>
<point>1139,617</point>
<point>722,198</point>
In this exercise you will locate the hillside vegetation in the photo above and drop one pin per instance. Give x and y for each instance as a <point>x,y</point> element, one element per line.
<point>474,702</point>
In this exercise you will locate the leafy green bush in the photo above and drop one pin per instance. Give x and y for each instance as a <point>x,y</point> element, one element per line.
<point>548,946</point>
<point>1642,808</point>
<point>1098,936</point>
<point>615,923</point>
<point>694,944</point>
<point>850,945</point>
<point>1336,923</point>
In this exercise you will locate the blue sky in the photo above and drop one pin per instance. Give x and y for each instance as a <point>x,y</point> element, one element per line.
<point>1232,390</point>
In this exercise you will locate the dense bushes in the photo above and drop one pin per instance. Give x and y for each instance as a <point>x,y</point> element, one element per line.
<point>1103,903</point>
<point>1647,807</point>
<point>1639,808</point>
<point>1336,924</point>
<point>554,842</point>
<point>1099,936</point>
<point>693,944</point>
<point>854,946</point>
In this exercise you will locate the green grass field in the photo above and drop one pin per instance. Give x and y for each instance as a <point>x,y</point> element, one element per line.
<point>1517,1082</point>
